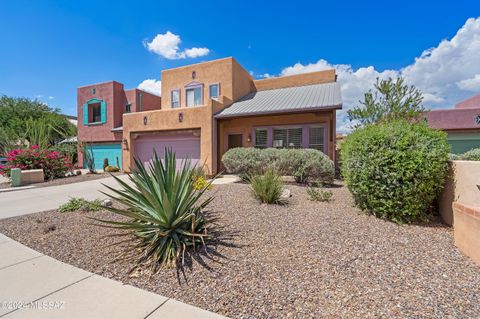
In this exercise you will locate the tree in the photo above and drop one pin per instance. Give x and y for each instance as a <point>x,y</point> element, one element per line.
<point>391,100</point>
<point>23,119</point>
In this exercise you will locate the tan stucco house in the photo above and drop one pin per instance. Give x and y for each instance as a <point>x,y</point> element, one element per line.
<point>210,107</point>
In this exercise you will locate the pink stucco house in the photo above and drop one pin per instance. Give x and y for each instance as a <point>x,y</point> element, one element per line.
<point>100,118</point>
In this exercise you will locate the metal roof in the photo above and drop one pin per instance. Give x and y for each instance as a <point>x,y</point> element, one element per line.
<point>286,100</point>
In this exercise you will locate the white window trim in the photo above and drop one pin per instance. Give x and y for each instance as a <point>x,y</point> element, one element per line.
<point>171,98</point>
<point>210,90</point>
<point>193,87</point>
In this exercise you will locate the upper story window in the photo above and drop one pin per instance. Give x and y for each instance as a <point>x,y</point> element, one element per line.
<point>94,112</point>
<point>94,91</point>
<point>175,98</point>
<point>194,96</point>
<point>214,90</point>
<point>128,108</point>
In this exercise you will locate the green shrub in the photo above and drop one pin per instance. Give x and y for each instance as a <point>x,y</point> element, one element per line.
<point>395,170</point>
<point>80,204</point>
<point>245,162</point>
<point>164,209</point>
<point>319,195</point>
<point>267,188</point>
<point>111,169</point>
<point>67,149</point>
<point>454,157</point>
<point>472,155</point>
<point>304,164</point>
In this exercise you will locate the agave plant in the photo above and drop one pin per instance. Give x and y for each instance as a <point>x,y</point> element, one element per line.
<point>164,209</point>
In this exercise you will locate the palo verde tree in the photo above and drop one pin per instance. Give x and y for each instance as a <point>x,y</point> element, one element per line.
<point>24,120</point>
<point>390,100</point>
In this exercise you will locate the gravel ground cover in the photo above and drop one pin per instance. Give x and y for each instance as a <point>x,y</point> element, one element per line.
<point>66,180</point>
<point>304,260</point>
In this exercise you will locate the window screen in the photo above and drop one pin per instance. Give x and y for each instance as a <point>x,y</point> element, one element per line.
<point>316,138</point>
<point>287,137</point>
<point>261,138</point>
<point>175,98</point>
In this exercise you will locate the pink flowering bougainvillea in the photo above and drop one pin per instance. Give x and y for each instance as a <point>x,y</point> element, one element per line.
<point>54,164</point>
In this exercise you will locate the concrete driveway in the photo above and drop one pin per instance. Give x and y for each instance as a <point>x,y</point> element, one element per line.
<point>33,200</point>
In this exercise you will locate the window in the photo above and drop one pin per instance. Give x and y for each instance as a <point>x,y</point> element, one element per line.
<point>194,96</point>
<point>261,138</point>
<point>316,138</point>
<point>288,137</point>
<point>214,90</point>
<point>94,91</point>
<point>175,98</point>
<point>95,113</point>
<point>128,108</point>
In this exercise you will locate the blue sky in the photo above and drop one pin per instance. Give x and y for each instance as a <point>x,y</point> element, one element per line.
<point>49,48</point>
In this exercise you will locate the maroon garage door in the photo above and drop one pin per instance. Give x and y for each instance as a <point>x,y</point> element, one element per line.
<point>184,144</point>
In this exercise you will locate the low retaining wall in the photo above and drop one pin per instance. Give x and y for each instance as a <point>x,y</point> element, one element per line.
<point>26,177</point>
<point>459,206</point>
<point>460,186</point>
<point>467,230</point>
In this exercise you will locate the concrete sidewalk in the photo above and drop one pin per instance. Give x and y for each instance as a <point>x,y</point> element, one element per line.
<point>36,286</point>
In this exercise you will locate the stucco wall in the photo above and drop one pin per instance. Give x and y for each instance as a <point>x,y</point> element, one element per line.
<point>245,126</point>
<point>296,80</point>
<point>199,117</point>
<point>461,186</point>
<point>108,92</point>
<point>150,101</point>
<point>217,71</point>
<point>467,230</point>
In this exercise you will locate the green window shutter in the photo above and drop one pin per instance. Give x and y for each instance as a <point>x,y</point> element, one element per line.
<point>103,112</point>
<point>85,114</point>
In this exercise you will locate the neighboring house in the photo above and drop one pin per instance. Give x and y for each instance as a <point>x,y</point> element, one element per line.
<point>72,119</point>
<point>100,112</point>
<point>462,124</point>
<point>210,107</point>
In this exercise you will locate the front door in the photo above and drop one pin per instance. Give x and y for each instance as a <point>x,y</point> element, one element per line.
<point>235,140</point>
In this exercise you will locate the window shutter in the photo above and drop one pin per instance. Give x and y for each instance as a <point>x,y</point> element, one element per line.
<point>103,112</point>
<point>261,138</point>
<point>85,114</point>
<point>295,138</point>
<point>280,138</point>
<point>316,138</point>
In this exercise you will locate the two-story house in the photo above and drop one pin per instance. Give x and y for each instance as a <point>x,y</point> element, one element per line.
<point>210,107</point>
<point>101,108</point>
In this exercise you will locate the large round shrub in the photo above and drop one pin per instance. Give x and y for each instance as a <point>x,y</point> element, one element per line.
<point>395,170</point>
<point>306,165</point>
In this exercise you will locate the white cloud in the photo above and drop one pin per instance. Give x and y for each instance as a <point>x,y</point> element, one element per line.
<point>472,84</point>
<point>167,46</point>
<point>196,52</point>
<point>51,97</point>
<point>151,86</point>
<point>446,74</point>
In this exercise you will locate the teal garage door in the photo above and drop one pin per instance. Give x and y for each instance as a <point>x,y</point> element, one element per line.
<point>102,151</point>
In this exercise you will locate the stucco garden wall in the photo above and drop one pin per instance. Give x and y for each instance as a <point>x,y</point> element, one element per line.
<point>459,206</point>
<point>461,186</point>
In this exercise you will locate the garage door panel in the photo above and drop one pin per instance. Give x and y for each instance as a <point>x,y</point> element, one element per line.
<point>102,151</point>
<point>184,146</point>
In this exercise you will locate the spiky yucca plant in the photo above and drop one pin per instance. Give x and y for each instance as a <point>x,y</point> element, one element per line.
<point>164,208</point>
